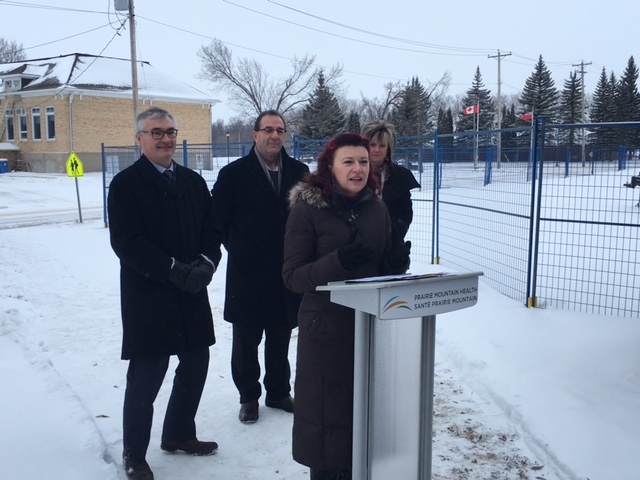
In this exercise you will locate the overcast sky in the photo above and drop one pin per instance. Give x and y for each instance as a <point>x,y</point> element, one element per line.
<point>375,42</point>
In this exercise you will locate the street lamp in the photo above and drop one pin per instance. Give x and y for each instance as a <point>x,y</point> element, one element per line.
<point>228,154</point>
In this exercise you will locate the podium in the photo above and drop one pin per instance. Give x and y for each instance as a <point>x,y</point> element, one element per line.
<point>394,352</point>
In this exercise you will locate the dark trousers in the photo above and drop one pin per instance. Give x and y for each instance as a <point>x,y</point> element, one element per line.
<point>245,367</point>
<point>144,378</point>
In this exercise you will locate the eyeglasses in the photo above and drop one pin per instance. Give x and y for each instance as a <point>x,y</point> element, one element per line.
<point>159,134</point>
<point>270,131</point>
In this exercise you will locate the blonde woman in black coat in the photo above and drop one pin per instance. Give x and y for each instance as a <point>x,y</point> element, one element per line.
<point>396,181</point>
<point>337,229</point>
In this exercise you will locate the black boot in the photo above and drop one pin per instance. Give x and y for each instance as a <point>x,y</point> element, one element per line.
<point>330,474</point>
<point>322,475</point>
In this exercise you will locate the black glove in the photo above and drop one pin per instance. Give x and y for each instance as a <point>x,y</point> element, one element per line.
<point>200,275</point>
<point>399,256</point>
<point>179,274</point>
<point>354,254</point>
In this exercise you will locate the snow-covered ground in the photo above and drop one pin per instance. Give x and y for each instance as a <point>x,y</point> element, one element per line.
<point>520,393</point>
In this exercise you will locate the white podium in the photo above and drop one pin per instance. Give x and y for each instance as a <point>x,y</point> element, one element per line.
<point>395,322</point>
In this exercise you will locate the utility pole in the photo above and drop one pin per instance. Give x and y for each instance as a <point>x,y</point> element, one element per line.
<point>499,104</point>
<point>584,120</point>
<point>121,5</point>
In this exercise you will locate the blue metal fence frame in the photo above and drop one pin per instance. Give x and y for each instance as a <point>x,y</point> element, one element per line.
<point>495,193</point>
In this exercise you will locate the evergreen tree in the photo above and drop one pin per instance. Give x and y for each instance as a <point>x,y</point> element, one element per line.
<point>509,120</point>
<point>481,96</point>
<point>570,110</point>
<point>322,117</point>
<point>603,108</point>
<point>445,126</point>
<point>410,116</point>
<point>353,122</point>
<point>627,102</point>
<point>602,104</point>
<point>539,94</point>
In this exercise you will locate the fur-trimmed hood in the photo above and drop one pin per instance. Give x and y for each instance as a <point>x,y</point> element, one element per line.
<point>303,192</point>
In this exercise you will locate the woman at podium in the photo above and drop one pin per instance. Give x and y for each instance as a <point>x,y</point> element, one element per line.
<point>338,229</point>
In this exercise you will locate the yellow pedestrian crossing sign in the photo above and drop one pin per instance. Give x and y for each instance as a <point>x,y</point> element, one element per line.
<point>74,166</point>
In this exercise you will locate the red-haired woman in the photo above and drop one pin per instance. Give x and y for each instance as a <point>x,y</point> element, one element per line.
<point>338,229</point>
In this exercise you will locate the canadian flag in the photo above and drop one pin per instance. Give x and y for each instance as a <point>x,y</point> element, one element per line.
<point>526,117</point>
<point>472,109</point>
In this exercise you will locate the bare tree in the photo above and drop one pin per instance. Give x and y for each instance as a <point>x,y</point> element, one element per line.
<point>250,88</point>
<point>11,51</point>
<point>380,109</point>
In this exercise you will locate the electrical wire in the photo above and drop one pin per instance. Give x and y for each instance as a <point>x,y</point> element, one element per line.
<point>380,35</point>
<point>356,40</point>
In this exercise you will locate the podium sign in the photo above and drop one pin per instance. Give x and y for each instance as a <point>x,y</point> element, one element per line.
<point>418,297</point>
<point>394,367</point>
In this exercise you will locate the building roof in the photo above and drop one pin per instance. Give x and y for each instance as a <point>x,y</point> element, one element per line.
<point>9,147</point>
<point>79,73</point>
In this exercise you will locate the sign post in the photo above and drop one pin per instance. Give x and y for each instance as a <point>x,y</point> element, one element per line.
<point>75,169</point>
<point>199,163</point>
<point>394,357</point>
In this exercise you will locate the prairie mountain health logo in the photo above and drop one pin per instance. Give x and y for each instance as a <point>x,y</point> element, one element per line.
<point>393,303</point>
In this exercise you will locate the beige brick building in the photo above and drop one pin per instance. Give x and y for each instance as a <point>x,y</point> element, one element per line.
<point>53,106</point>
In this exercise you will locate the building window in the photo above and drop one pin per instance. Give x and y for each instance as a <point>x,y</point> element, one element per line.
<point>51,123</point>
<point>36,130</point>
<point>22,122</point>
<point>12,85</point>
<point>11,135</point>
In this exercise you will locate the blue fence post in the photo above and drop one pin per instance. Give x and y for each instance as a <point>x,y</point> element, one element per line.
<point>622,158</point>
<point>435,223</point>
<point>185,154</point>
<point>296,147</point>
<point>537,154</point>
<point>488,166</point>
<point>104,186</point>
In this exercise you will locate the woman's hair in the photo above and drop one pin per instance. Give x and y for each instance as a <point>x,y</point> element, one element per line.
<point>322,177</point>
<point>382,132</point>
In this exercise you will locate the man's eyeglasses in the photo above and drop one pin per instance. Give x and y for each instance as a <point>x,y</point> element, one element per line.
<point>159,134</point>
<point>270,131</point>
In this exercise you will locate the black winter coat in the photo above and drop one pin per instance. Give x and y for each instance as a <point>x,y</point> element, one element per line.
<point>251,219</point>
<point>397,197</point>
<point>317,227</point>
<point>148,224</point>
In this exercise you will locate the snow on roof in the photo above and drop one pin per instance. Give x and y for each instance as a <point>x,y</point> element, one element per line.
<point>95,75</point>
<point>9,147</point>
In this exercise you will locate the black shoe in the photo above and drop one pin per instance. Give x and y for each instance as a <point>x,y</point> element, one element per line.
<point>249,412</point>
<point>138,470</point>
<point>285,404</point>
<point>192,447</point>
<point>330,474</point>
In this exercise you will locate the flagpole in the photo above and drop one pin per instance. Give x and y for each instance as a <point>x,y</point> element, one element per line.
<point>531,146</point>
<point>477,128</point>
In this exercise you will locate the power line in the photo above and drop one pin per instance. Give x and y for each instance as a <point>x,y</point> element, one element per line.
<point>270,54</point>
<point>376,34</point>
<point>48,7</point>
<point>70,36</point>
<point>349,38</point>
